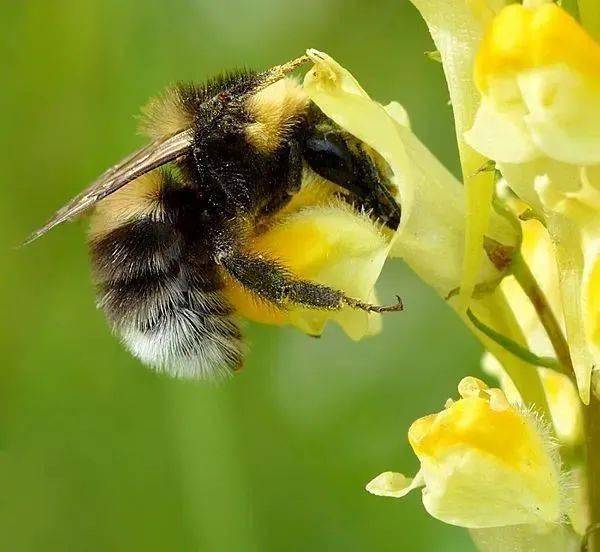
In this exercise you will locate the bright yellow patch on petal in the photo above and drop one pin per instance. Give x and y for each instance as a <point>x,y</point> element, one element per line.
<point>520,38</point>
<point>300,245</point>
<point>472,423</point>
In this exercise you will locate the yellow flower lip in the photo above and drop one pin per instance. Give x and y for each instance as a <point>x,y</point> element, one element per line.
<point>474,422</point>
<point>520,38</point>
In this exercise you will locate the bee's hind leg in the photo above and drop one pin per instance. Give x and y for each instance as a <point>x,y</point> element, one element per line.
<point>271,282</point>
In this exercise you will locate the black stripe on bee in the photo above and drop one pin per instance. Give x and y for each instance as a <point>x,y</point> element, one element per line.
<point>161,290</point>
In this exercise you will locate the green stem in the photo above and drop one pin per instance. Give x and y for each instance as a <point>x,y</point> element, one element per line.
<point>512,346</point>
<point>529,284</point>
<point>591,412</point>
<point>493,310</point>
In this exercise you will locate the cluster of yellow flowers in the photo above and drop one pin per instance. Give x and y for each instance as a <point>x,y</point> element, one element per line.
<point>514,249</point>
<point>524,81</point>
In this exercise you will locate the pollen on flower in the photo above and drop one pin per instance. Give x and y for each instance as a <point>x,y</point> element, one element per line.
<point>472,387</point>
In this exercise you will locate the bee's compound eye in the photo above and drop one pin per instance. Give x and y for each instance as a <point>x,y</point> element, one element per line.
<point>328,155</point>
<point>345,163</point>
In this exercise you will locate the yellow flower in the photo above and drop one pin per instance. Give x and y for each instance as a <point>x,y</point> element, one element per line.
<point>561,393</point>
<point>484,463</point>
<point>538,72</point>
<point>539,75</point>
<point>431,234</point>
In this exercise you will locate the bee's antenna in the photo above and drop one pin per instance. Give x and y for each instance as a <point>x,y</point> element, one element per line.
<point>279,71</point>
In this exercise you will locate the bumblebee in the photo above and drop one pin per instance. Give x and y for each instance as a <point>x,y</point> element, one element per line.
<point>173,221</point>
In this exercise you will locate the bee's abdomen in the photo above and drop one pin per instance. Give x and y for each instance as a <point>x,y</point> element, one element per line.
<point>162,295</point>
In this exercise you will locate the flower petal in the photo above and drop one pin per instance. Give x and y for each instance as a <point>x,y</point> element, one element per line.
<point>474,479</point>
<point>432,229</point>
<point>572,221</point>
<point>394,484</point>
<point>526,538</point>
<point>502,135</point>
<point>431,235</point>
<point>538,72</point>
<point>456,27</point>
<point>484,463</point>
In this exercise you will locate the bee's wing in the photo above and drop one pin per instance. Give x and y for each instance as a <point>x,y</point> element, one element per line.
<point>142,161</point>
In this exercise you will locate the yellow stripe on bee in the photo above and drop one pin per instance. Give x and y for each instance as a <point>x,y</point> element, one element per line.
<point>135,200</point>
<point>275,110</point>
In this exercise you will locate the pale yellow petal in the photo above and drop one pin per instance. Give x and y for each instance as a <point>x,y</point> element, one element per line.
<point>576,236</point>
<point>431,235</point>
<point>538,72</point>
<point>394,484</point>
<point>432,229</point>
<point>526,538</point>
<point>502,135</point>
<point>456,27</point>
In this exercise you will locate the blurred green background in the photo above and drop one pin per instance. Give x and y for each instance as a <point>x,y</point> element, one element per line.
<point>99,453</point>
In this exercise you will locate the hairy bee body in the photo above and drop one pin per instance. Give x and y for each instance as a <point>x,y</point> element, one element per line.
<point>166,243</point>
<point>155,244</point>
<point>158,284</point>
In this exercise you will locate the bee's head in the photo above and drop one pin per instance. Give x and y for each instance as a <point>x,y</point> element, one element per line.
<point>344,160</point>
